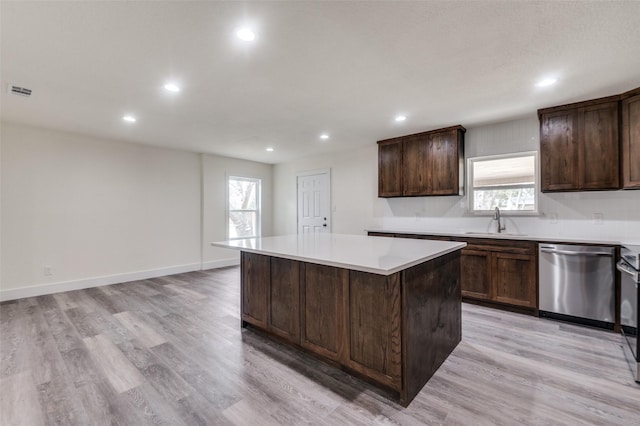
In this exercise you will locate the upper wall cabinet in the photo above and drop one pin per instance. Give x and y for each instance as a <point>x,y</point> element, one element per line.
<point>630,164</point>
<point>579,146</point>
<point>423,164</point>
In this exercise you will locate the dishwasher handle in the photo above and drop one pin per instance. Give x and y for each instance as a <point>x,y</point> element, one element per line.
<point>623,267</point>
<point>576,253</point>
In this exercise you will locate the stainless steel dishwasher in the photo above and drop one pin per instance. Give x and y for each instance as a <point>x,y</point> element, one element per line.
<point>577,283</point>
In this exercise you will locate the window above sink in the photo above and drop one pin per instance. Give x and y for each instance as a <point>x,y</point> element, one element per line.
<point>506,181</point>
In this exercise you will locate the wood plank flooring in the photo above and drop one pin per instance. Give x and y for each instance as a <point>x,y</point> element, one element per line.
<point>170,350</point>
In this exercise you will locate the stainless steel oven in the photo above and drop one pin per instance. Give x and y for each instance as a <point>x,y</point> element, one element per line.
<point>629,267</point>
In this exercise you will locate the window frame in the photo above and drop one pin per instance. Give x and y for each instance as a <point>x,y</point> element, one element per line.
<point>258,208</point>
<point>536,184</point>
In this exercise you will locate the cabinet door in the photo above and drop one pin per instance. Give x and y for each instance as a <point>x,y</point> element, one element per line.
<point>559,154</point>
<point>514,278</point>
<point>598,134</point>
<point>442,163</point>
<point>375,326</point>
<point>256,274</point>
<point>631,142</point>
<point>475,274</point>
<point>390,168</point>
<point>284,314</point>
<point>323,299</point>
<point>415,157</point>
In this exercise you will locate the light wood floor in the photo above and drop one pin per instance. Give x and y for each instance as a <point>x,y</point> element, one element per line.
<point>170,351</point>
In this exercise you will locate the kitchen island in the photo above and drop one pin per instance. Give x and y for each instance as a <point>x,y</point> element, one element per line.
<point>386,310</point>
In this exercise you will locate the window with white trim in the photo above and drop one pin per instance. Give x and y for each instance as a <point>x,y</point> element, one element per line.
<point>243,212</point>
<point>509,182</point>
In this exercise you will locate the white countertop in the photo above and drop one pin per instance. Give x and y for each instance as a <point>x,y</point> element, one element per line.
<point>501,236</point>
<point>378,255</point>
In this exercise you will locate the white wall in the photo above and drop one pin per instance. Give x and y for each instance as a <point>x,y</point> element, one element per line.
<point>354,187</point>
<point>216,170</point>
<point>101,211</point>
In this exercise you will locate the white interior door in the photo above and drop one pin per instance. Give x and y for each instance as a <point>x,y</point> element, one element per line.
<point>314,202</point>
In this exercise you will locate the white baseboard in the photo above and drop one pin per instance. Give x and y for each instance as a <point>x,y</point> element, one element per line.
<point>214,264</point>
<point>49,288</point>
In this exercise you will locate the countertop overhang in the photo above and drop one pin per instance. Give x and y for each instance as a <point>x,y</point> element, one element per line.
<point>377,255</point>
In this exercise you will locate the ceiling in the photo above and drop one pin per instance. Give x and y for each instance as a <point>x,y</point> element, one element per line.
<point>341,68</point>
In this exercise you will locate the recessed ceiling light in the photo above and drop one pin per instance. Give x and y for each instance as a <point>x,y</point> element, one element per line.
<point>546,82</point>
<point>172,87</point>
<point>324,136</point>
<point>269,149</point>
<point>129,118</point>
<point>400,118</point>
<point>246,34</point>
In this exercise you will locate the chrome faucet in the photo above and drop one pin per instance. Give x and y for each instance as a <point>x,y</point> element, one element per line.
<point>496,216</point>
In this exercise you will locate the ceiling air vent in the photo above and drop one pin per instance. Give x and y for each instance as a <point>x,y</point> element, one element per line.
<point>17,90</point>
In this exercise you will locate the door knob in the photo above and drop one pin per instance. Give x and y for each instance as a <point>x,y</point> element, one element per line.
<point>324,224</point>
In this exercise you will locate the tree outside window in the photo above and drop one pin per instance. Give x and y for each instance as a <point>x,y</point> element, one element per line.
<point>244,208</point>
<point>507,181</point>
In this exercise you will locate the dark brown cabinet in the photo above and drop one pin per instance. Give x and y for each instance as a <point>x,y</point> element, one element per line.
<point>324,291</point>
<point>514,279</point>
<point>270,294</point>
<point>475,273</point>
<point>630,159</point>
<point>284,299</point>
<point>394,330</point>
<point>579,146</point>
<point>256,278</point>
<point>374,332</point>
<point>422,164</point>
<point>500,271</point>
<point>390,168</point>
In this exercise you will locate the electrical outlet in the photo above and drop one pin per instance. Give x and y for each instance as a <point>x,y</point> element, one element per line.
<point>553,217</point>
<point>597,218</point>
<point>47,271</point>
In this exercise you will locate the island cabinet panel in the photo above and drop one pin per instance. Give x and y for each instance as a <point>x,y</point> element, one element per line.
<point>324,292</point>
<point>390,168</point>
<point>375,327</point>
<point>630,108</point>
<point>284,312</point>
<point>431,312</point>
<point>256,276</point>
<point>475,273</point>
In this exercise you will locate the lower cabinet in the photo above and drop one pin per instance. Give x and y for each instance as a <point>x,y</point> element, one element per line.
<point>503,273</point>
<point>475,273</point>
<point>500,271</point>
